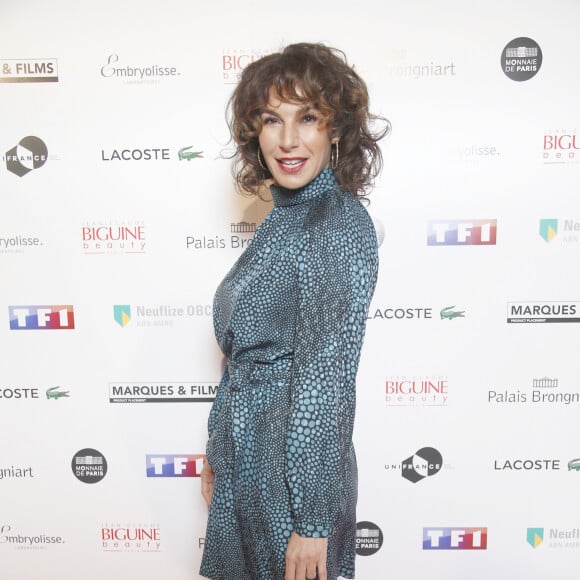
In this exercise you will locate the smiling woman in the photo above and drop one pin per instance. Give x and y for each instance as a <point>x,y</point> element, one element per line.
<point>281,478</point>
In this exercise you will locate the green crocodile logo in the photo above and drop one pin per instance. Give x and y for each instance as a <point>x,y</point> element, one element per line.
<point>53,393</point>
<point>189,155</point>
<point>450,314</point>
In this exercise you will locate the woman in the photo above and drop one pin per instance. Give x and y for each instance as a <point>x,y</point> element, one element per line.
<point>280,476</point>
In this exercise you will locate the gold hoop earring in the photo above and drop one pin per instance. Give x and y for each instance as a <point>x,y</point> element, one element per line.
<point>260,161</point>
<point>334,155</point>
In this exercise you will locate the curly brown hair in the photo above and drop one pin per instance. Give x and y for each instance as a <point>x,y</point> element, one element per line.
<point>319,76</point>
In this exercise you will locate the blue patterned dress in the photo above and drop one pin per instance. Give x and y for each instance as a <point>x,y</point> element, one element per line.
<point>290,318</point>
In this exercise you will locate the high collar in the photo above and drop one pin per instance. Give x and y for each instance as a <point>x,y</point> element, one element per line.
<point>323,182</point>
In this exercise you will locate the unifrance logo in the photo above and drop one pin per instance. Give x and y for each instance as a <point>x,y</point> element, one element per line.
<point>30,153</point>
<point>454,538</point>
<point>41,317</point>
<point>535,536</point>
<point>424,463</point>
<point>29,70</point>
<point>521,59</point>
<point>169,465</point>
<point>476,232</point>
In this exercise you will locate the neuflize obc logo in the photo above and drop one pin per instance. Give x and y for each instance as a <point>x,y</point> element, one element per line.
<point>465,232</point>
<point>44,317</point>
<point>454,538</point>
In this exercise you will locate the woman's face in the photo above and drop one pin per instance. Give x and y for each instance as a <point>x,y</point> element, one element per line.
<point>295,143</point>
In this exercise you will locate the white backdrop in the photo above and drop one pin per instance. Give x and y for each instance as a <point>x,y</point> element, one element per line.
<point>115,91</point>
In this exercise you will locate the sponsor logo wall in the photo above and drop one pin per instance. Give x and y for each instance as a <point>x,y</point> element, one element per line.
<point>467,431</point>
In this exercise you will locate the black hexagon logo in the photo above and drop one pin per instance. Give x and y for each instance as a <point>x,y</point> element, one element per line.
<point>31,153</point>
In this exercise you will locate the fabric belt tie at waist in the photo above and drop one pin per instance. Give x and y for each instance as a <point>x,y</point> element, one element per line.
<point>241,373</point>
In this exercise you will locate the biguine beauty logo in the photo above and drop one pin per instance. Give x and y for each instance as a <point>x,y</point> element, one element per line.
<point>468,232</point>
<point>114,237</point>
<point>130,537</point>
<point>417,391</point>
<point>41,317</point>
<point>561,145</point>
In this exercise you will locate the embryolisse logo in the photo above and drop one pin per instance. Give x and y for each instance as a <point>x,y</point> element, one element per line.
<point>521,59</point>
<point>26,540</point>
<point>150,73</point>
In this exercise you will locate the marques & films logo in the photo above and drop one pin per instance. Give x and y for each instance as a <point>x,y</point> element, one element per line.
<point>28,70</point>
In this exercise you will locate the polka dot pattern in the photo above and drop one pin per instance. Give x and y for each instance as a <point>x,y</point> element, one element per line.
<point>290,318</point>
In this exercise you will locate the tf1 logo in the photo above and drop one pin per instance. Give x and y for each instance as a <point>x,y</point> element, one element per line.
<point>462,232</point>
<point>454,538</point>
<point>169,465</point>
<point>41,317</point>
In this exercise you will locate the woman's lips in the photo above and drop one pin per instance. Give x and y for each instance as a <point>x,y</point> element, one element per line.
<point>291,164</point>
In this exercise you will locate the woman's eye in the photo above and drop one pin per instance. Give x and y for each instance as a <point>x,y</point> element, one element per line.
<point>310,118</point>
<point>269,120</point>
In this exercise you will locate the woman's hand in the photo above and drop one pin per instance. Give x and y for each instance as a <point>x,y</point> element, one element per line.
<point>207,479</point>
<point>305,557</point>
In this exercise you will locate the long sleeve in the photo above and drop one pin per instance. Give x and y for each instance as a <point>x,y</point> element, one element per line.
<point>336,269</point>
